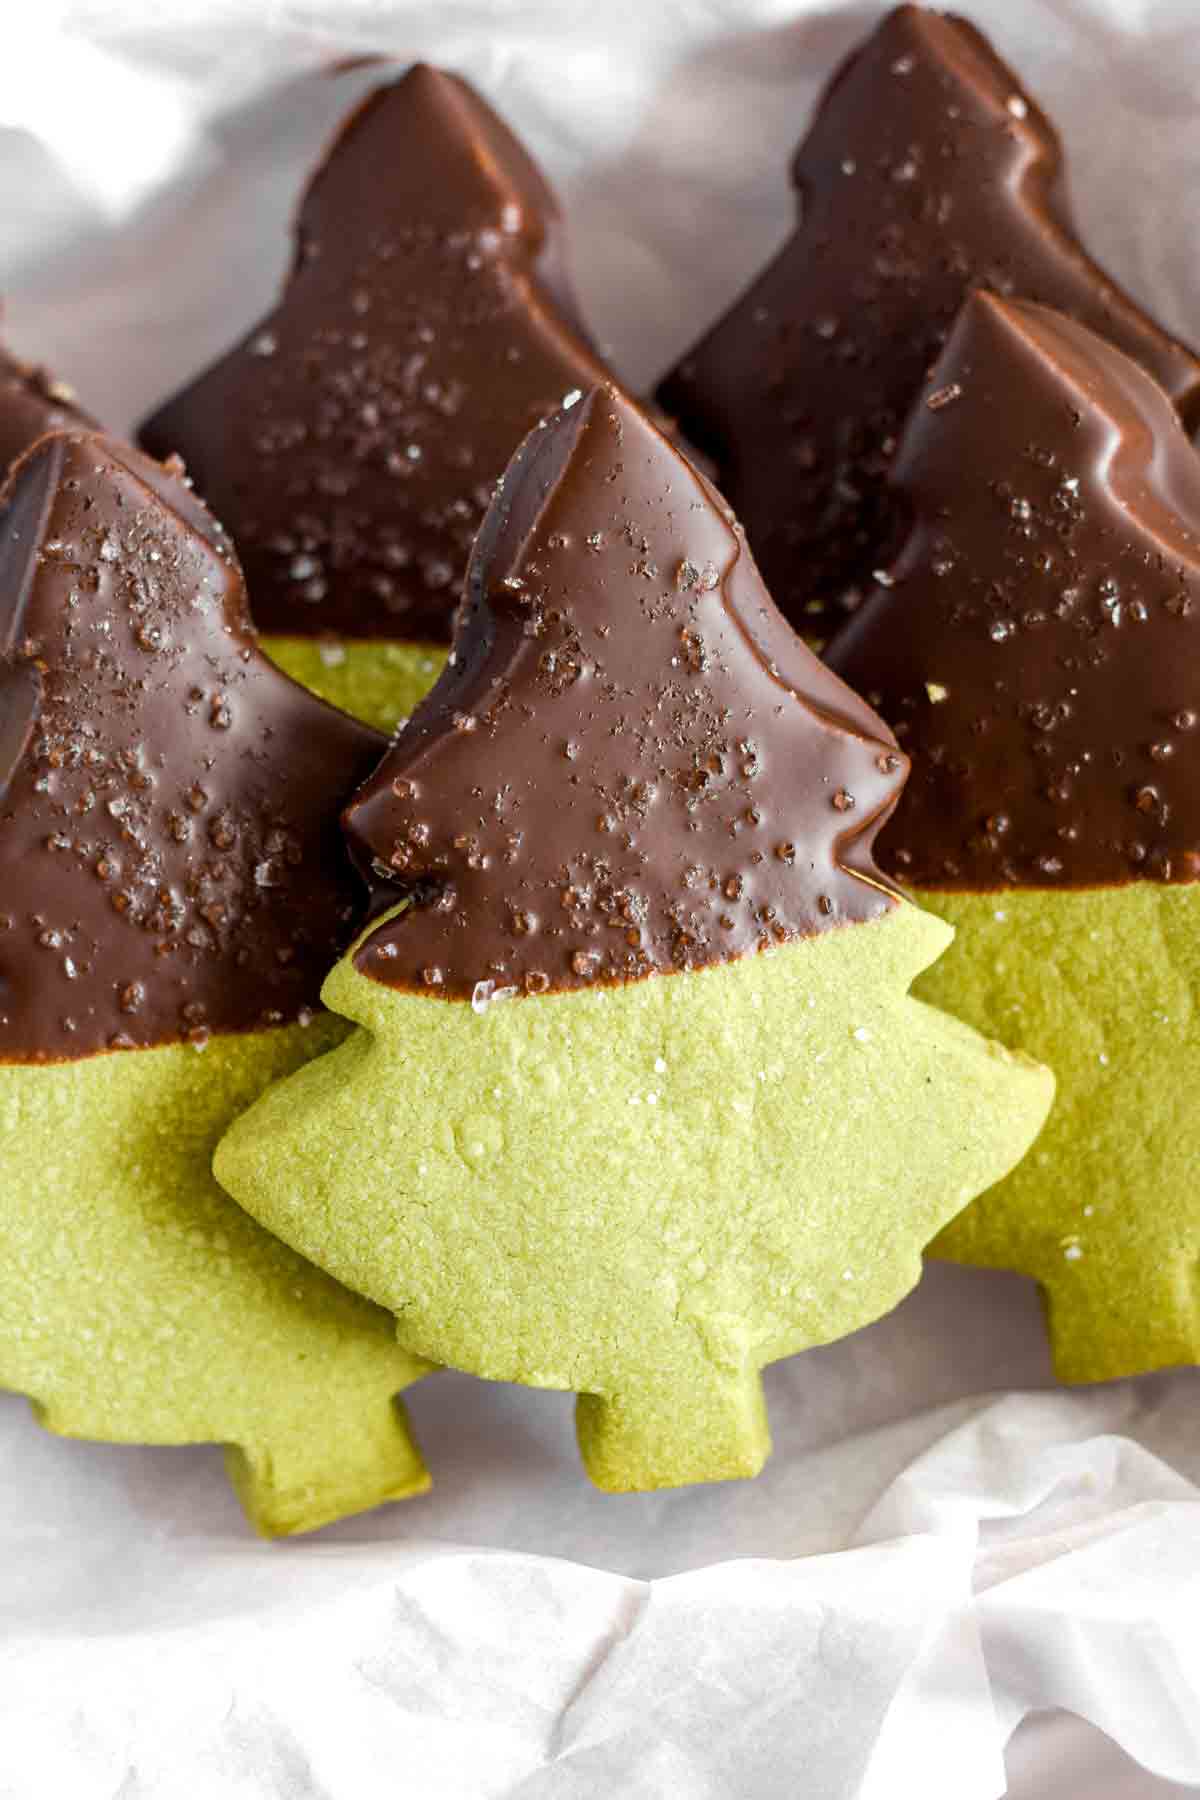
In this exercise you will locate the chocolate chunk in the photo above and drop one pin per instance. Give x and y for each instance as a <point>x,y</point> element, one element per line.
<point>927,170</point>
<point>32,402</point>
<point>631,764</point>
<point>352,441</point>
<point>168,800</point>
<point>1037,643</point>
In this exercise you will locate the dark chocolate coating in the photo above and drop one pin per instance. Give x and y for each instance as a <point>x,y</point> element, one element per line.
<point>33,402</point>
<point>632,765</point>
<point>352,441</point>
<point>1037,645</point>
<point>927,170</point>
<point>168,800</point>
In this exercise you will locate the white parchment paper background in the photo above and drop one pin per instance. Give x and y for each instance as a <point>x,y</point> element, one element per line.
<point>943,1543</point>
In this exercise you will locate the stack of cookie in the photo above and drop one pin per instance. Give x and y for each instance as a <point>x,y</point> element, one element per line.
<point>504,961</point>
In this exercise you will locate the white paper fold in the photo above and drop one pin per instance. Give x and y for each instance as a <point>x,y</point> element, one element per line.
<point>1036,1555</point>
<point>489,1674</point>
<point>1086,1552</point>
<point>919,1569</point>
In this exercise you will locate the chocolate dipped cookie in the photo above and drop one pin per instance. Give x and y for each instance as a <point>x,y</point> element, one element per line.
<point>1034,645</point>
<point>928,170</point>
<point>174,886</point>
<point>32,403</point>
<point>638,1101</point>
<point>351,442</point>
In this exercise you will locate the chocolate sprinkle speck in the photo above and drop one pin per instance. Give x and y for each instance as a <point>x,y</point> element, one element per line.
<point>352,441</point>
<point>119,601</point>
<point>685,764</point>
<point>1055,734</point>
<point>957,182</point>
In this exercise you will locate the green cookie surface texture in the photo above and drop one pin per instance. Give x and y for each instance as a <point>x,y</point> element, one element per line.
<point>647,1191</point>
<point>1117,1258</point>
<point>377,681</point>
<point>175,885</point>
<point>138,1305</point>
<point>1035,647</point>
<point>637,1100</point>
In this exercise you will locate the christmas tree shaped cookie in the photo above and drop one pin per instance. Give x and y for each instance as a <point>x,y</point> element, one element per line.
<point>350,444</point>
<point>926,171</point>
<point>638,1101</point>
<point>174,881</point>
<point>1037,647</point>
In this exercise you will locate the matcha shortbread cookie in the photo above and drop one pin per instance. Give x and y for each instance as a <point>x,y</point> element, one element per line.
<point>927,170</point>
<point>1036,645</point>
<point>638,1101</point>
<point>352,441</point>
<point>174,882</point>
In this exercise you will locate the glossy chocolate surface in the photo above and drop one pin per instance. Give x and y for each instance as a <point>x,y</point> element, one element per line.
<point>632,764</point>
<point>352,442</point>
<point>927,170</point>
<point>168,800</point>
<point>1036,644</point>
<point>32,402</point>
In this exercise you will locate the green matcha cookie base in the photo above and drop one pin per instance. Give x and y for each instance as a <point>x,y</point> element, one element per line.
<point>139,1305</point>
<point>1104,986</point>
<point>642,1193</point>
<point>375,680</point>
